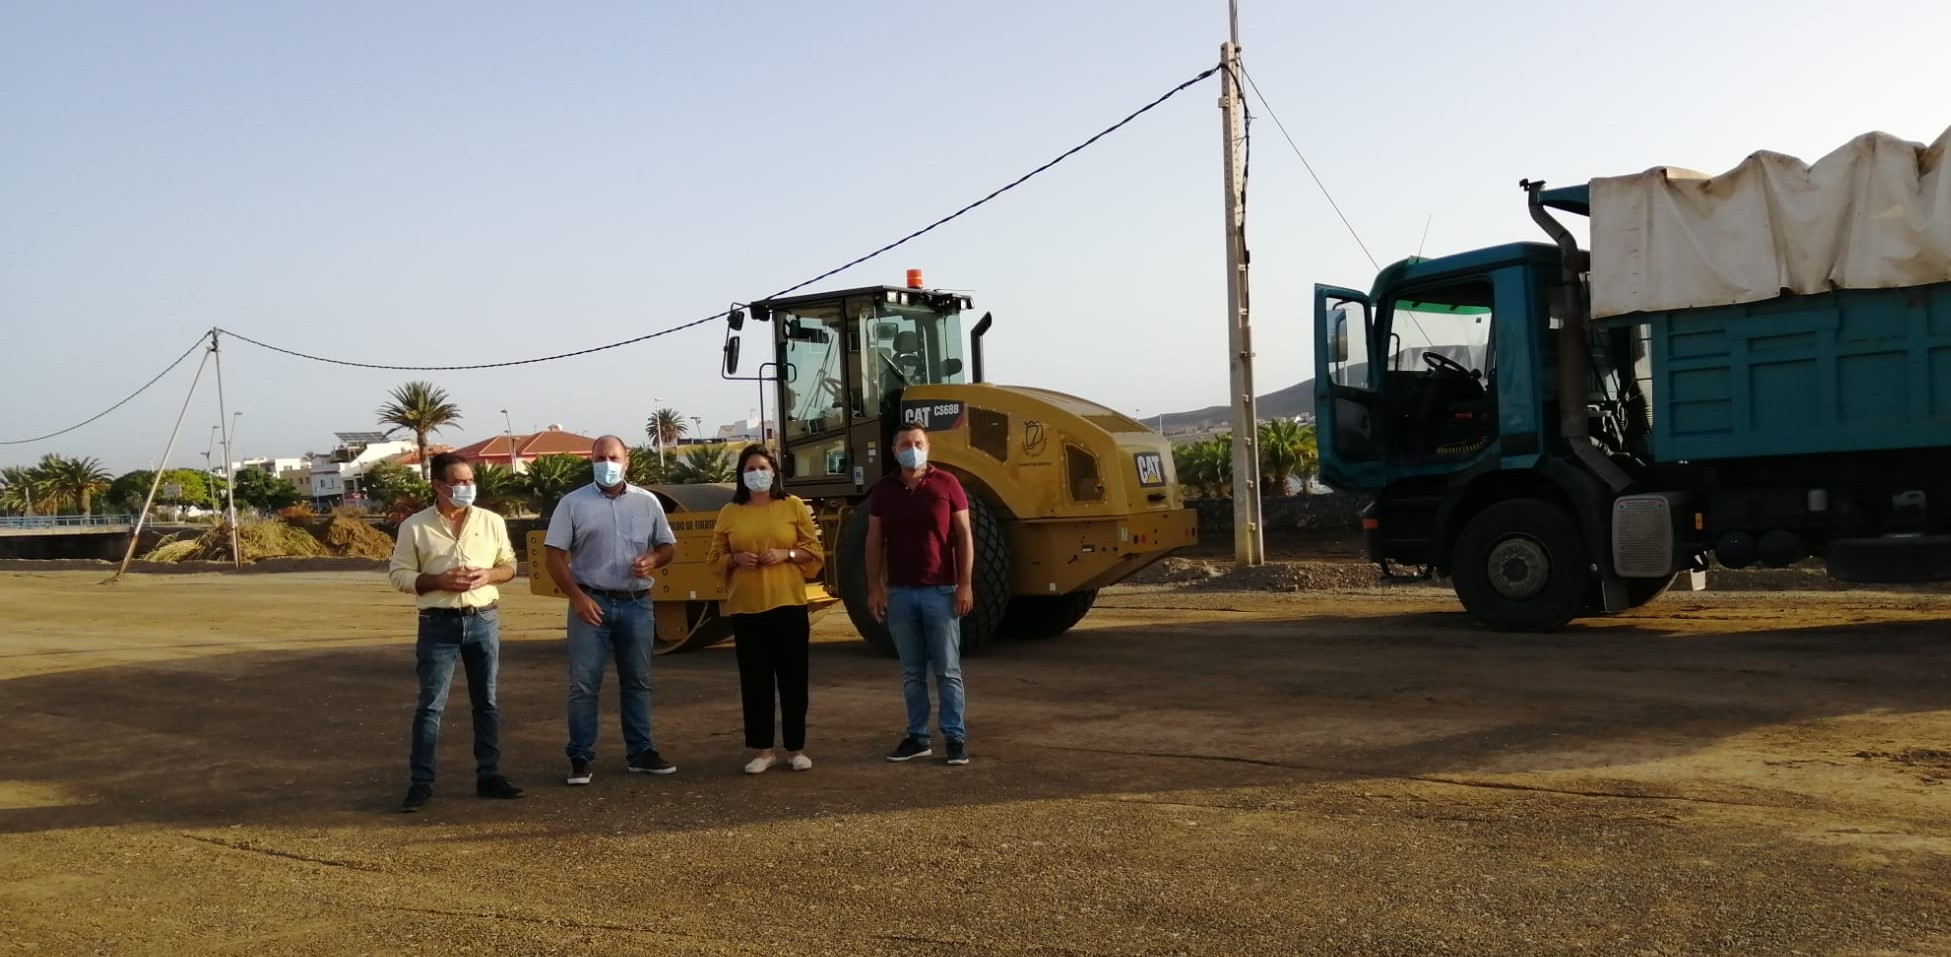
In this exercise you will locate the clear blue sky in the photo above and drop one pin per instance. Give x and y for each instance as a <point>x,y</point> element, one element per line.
<point>450,183</point>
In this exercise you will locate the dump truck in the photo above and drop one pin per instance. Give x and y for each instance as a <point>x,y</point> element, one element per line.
<point>1066,496</point>
<point>1749,369</point>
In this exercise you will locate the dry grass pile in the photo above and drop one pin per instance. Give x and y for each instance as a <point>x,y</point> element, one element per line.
<point>352,538</point>
<point>256,539</point>
<point>259,539</point>
<point>171,550</point>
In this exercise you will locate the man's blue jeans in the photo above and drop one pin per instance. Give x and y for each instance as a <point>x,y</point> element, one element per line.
<point>928,637</point>
<point>476,641</point>
<point>625,635</point>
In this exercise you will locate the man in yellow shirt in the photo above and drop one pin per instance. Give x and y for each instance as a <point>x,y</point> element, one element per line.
<point>451,557</point>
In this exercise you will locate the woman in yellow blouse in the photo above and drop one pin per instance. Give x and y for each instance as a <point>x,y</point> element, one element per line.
<point>767,545</point>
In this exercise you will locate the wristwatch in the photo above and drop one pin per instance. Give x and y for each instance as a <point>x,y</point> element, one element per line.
<point>792,555</point>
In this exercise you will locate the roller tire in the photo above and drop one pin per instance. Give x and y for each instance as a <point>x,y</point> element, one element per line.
<point>1521,565</point>
<point>992,581</point>
<point>1040,617</point>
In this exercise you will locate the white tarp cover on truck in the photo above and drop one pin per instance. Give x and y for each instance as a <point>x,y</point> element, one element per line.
<point>1873,214</point>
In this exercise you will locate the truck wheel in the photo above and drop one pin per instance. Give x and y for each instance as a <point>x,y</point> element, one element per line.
<point>1036,617</point>
<point>992,583</point>
<point>1520,565</point>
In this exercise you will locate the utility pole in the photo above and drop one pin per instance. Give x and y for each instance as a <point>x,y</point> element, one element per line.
<point>1247,541</point>
<point>230,473</point>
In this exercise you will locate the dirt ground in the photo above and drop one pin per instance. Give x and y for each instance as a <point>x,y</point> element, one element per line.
<point>209,764</point>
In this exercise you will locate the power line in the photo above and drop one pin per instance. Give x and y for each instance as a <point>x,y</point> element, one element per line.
<point>201,341</point>
<point>931,227</point>
<point>480,365</point>
<point>1327,195</point>
<point>1309,166</point>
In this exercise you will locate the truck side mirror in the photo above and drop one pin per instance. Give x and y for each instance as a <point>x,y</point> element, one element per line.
<point>1338,342</point>
<point>731,353</point>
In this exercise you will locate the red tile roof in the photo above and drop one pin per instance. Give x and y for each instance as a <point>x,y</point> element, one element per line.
<point>412,456</point>
<point>528,447</point>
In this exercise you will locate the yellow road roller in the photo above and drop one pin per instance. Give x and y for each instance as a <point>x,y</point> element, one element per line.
<point>1065,496</point>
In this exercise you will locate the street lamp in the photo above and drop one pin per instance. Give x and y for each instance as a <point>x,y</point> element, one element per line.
<point>657,430</point>
<point>508,425</point>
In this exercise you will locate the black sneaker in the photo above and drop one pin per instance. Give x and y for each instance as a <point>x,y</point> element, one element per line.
<point>416,798</point>
<point>496,786</point>
<point>910,748</point>
<point>650,762</point>
<point>958,753</point>
<point>579,771</point>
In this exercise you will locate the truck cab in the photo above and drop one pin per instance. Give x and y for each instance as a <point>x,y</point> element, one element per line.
<point>1437,377</point>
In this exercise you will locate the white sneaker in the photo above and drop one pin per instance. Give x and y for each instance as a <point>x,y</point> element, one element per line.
<point>801,762</point>
<point>759,765</point>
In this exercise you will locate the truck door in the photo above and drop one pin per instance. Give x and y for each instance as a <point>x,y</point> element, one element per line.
<point>1348,417</point>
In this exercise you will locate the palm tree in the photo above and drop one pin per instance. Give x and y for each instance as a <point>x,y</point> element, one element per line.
<point>665,427</point>
<point>1284,451</point>
<point>550,477</point>
<point>419,407</point>
<point>75,480</point>
<point>1206,467</point>
<point>1310,455</point>
<point>646,468</point>
<point>498,488</point>
<point>702,465</point>
<point>17,493</point>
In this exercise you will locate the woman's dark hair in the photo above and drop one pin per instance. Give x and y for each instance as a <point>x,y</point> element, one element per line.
<point>741,494</point>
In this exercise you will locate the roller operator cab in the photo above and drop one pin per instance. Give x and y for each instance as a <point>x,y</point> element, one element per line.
<point>1066,496</point>
<point>1747,390</point>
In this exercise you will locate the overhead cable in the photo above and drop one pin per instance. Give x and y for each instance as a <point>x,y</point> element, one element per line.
<point>201,342</point>
<point>1020,180</point>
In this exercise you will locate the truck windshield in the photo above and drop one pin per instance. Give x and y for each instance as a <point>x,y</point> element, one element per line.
<point>1438,325</point>
<point>1439,380</point>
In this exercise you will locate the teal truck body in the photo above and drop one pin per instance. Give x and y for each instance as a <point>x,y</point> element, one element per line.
<point>1766,432</point>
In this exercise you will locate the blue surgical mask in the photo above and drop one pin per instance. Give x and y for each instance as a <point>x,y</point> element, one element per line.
<point>759,480</point>
<point>608,473</point>
<point>461,495</point>
<point>912,458</point>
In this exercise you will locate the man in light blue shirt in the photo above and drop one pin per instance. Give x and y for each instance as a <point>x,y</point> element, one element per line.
<point>604,542</point>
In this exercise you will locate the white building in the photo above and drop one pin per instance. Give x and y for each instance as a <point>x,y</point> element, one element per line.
<point>750,429</point>
<point>283,468</point>
<point>333,477</point>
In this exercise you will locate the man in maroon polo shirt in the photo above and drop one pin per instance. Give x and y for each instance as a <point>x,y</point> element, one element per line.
<point>920,580</point>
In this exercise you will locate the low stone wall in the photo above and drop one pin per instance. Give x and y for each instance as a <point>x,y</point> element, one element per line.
<point>1289,514</point>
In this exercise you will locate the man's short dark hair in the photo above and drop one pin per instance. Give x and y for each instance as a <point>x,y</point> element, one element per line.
<point>910,427</point>
<point>444,461</point>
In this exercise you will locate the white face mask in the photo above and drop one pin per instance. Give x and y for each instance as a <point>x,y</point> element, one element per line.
<point>912,458</point>
<point>608,473</point>
<point>461,495</point>
<point>759,480</point>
